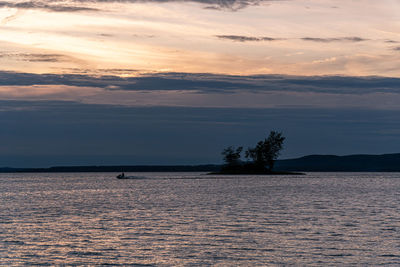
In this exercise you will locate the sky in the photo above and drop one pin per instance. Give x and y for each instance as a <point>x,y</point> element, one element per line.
<point>103,82</point>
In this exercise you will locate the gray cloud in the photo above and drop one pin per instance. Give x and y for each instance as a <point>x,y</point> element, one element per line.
<point>35,57</point>
<point>241,38</point>
<point>73,5</point>
<point>230,5</point>
<point>45,5</point>
<point>210,83</point>
<point>244,38</point>
<point>330,40</point>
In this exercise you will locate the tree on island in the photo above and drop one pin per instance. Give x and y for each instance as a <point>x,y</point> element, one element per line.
<point>263,156</point>
<point>232,156</point>
<point>267,151</point>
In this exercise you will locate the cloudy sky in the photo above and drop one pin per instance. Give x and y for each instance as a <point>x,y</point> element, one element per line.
<point>174,82</point>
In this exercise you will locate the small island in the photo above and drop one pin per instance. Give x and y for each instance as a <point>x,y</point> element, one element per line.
<point>260,160</point>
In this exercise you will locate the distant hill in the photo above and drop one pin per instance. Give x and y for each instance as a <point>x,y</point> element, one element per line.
<point>352,163</point>
<point>317,163</point>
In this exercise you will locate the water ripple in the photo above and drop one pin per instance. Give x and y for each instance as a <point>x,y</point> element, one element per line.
<point>330,219</point>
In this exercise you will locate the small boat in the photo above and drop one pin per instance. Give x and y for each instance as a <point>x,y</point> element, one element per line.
<point>123,176</point>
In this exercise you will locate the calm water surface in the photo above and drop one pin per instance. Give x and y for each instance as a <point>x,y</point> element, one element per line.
<point>175,219</point>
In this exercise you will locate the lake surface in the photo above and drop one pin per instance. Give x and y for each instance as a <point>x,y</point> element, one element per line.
<point>189,219</point>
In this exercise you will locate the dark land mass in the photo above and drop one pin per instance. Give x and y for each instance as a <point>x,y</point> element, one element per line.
<point>352,163</point>
<point>313,163</point>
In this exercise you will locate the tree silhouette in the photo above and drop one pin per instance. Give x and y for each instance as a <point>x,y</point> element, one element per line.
<point>232,156</point>
<point>267,151</point>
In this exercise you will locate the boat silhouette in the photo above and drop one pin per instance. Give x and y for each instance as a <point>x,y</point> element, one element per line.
<point>123,176</point>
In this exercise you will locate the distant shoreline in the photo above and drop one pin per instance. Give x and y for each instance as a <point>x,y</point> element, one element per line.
<point>312,163</point>
<point>124,168</point>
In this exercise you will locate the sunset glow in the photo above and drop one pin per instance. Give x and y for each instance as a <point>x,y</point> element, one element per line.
<point>286,37</point>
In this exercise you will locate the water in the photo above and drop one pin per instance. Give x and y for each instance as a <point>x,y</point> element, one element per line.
<point>175,219</point>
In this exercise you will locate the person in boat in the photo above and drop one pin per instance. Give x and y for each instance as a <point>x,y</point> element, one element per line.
<point>121,176</point>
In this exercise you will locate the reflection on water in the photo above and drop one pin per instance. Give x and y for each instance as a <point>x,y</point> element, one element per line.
<point>86,219</point>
